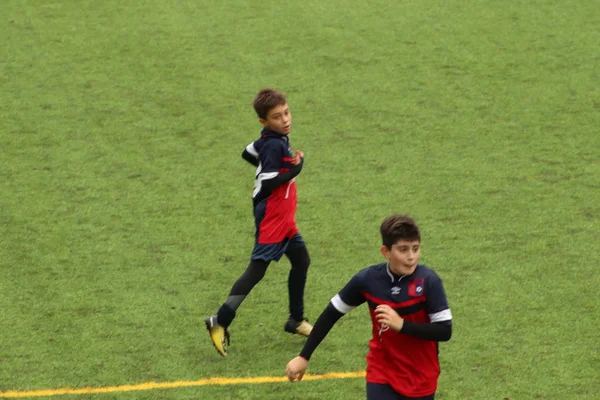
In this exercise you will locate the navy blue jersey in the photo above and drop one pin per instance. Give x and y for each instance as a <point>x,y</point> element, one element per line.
<point>275,210</point>
<point>408,364</point>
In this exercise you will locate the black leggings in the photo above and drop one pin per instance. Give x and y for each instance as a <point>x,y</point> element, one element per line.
<point>300,261</point>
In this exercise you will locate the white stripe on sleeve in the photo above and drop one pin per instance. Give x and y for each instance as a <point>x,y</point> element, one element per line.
<point>339,305</point>
<point>261,177</point>
<point>250,149</point>
<point>444,315</point>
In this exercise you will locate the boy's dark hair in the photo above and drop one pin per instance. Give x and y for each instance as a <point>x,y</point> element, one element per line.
<point>266,100</point>
<point>399,227</point>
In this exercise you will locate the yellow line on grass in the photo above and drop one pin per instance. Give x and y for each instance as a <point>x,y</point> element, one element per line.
<point>177,384</point>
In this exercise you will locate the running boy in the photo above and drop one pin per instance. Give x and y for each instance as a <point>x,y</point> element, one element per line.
<point>409,312</point>
<point>274,200</point>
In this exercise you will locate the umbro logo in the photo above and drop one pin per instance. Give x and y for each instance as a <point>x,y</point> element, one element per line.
<point>395,291</point>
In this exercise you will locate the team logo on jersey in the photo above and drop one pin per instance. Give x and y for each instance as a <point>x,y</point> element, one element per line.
<point>416,287</point>
<point>395,291</point>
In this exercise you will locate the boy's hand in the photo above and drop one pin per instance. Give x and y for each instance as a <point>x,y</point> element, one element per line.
<point>297,158</point>
<point>296,368</point>
<point>388,316</point>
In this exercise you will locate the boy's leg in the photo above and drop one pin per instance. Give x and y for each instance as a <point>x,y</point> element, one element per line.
<point>299,258</point>
<point>300,261</point>
<point>217,324</point>
<point>241,288</point>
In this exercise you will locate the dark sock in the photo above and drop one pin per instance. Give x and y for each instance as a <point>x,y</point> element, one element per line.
<point>225,315</point>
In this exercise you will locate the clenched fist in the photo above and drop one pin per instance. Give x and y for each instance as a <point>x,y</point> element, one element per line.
<point>296,368</point>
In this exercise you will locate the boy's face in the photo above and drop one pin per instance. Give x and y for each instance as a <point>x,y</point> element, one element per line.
<point>403,256</point>
<point>279,119</point>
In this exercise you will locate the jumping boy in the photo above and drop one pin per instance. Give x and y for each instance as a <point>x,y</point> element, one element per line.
<point>274,200</point>
<point>409,312</point>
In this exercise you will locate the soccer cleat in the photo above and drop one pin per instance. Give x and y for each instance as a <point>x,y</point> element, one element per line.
<point>218,334</point>
<point>299,328</point>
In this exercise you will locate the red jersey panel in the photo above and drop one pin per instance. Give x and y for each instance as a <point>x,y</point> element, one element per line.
<point>279,222</point>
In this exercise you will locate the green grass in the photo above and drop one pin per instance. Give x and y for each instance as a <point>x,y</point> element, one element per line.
<point>125,211</point>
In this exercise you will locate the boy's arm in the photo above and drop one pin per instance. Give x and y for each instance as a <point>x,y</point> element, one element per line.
<point>440,327</point>
<point>281,178</point>
<point>250,158</point>
<point>439,330</point>
<point>342,303</point>
<point>296,368</point>
<point>436,331</point>
<point>324,323</point>
<point>250,154</point>
<point>271,157</point>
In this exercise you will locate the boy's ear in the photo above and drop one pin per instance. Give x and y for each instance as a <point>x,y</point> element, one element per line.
<point>262,121</point>
<point>385,252</point>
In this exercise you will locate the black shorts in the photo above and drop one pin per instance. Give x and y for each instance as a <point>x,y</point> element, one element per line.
<point>376,391</point>
<point>274,251</point>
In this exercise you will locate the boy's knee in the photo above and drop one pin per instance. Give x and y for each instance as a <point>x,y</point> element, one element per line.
<point>302,262</point>
<point>307,261</point>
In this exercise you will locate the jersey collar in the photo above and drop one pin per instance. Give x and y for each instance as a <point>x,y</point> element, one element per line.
<point>395,278</point>
<point>266,133</point>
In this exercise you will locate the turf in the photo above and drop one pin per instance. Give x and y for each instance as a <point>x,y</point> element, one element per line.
<point>125,210</point>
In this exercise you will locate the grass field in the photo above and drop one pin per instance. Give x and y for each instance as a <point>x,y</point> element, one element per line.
<point>125,211</point>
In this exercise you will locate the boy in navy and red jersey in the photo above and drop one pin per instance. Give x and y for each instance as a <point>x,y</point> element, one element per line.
<point>274,200</point>
<point>409,312</point>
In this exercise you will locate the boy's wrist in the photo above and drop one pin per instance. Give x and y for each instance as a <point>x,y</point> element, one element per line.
<point>401,325</point>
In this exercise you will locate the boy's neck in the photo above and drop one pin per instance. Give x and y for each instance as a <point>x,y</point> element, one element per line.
<point>266,131</point>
